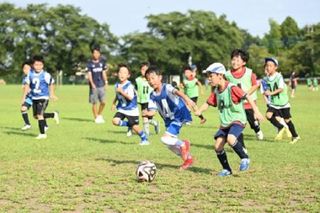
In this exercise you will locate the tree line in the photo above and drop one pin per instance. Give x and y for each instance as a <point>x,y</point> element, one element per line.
<point>64,36</point>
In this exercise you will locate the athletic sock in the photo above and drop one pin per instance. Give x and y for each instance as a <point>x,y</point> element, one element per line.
<point>123,123</point>
<point>41,126</point>
<point>48,115</point>
<point>222,156</point>
<point>201,117</point>
<point>153,122</point>
<point>276,123</point>
<point>238,148</point>
<point>25,117</point>
<point>143,136</point>
<point>256,126</point>
<point>240,139</point>
<point>146,128</point>
<point>292,129</point>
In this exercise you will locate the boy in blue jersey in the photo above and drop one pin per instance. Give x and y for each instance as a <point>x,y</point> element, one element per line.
<point>171,105</point>
<point>127,106</point>
<point>97,77</point>
<point>27,101</point>
<point>40,83</point>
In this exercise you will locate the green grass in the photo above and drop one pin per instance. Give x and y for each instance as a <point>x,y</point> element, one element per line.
<point>85,167</point>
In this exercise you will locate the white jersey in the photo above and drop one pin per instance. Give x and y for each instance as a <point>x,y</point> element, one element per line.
<point>125,106</point>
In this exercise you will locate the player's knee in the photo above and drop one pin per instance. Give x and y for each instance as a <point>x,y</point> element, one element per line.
<point>269,116</point>
<point>24,109</point>
<point>116,121</point>
<point>168,140</point>
<point>287,120</point>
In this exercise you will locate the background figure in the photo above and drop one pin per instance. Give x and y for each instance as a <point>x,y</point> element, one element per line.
<point>97,77</point>
<point>293,83</point>
<point>315,84</point>
<point>27,101</point>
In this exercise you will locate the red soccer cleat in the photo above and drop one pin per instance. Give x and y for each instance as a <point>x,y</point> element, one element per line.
<point>185,150</point>
<point>187,163</point>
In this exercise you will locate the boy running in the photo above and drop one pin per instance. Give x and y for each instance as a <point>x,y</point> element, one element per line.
<point>245,78</point>
<point>229,100</point>
<point>26,100</point>
<point>279,100</point>
<point>127,104</point>
<point>40,83</point>
<point>171,105</point>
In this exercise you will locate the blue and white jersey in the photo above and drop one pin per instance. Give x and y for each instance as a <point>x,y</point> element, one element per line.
<point>96,69</point>
<point>263,88</point>
<point>39,84</point>
<point>125,106</point>
<point>170,106</point>
<point>28,96</point>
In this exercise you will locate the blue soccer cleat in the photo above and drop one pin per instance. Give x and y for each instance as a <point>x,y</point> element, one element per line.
<point>244,164</point>
<point>224,173</point>
<point>144,143</point>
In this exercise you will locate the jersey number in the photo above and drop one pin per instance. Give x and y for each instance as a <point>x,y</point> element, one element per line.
<point>275,87</point>
<point>145,90</point>
<point>36,82</point>
<point>166,110</point>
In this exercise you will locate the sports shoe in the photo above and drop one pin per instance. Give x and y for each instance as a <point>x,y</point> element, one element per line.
<point>259,135</point>
<point>185,150</point>
<point>295,140</point>
<point>26,127</point>
<point>187,163</point>
<point>129,133</point>
<point>41,136</point>
<point>202,121</point>
<point>56,117</point>
<point>244,164</point>
<point>157,127</point>
<point>279,136</point>
<point>289,135</point>
<point>144,143</point>
<point>224,173</point>
<point>46,128</point>
<point>99,120</point>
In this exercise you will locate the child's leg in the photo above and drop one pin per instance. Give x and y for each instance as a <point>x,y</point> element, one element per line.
<point>254,124</point>
<point>273,120</point>
<point>234,132</point>
<point>118,120</point>
<point>141,133</point>
<point>221,154</point>
<point>287,118</point>
<point>24,113</point>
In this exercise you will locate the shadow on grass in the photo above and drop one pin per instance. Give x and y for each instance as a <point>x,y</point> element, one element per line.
<point>109,141</point>
<point>78,119</point>
<point>159,165</point>
<point>11,128</point>
<point>20,133</point>
<point>254,139</point>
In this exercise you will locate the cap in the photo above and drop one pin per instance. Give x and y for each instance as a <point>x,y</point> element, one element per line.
<point>193,67</point>
<point>215,68</point>
<point>275,61</point>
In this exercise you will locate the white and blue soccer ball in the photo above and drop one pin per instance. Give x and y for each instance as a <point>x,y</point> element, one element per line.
<point>146,171</point>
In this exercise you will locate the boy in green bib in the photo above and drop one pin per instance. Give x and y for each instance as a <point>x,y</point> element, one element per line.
<point>279,100</point>
<point>228,98</point>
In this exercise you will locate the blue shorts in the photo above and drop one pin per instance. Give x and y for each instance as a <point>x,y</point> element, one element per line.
<point>174,128</point>
<point>234,129</point>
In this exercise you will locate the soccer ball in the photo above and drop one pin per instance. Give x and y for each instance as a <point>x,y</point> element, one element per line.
<point>146,171</point>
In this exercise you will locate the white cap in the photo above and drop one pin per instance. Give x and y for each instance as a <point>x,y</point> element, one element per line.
<point>274,60</point>
<point>215,68</point>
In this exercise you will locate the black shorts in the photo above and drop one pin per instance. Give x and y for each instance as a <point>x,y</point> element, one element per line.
<point>27,105</point>
<point>143,107</point>
<point>194,99</point>
<point>39,106</point>
<point>284,112</point>
<point>132,120</point>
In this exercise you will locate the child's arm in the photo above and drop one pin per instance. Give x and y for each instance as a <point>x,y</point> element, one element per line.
<point>124,94</point>
<point>268,92</point>
<point>186,99</point>
<point>113,107</point>
<point>255,85</point>
<point>201,87</point>
<point>256,111</point>
<point>52,95</point>
<point>26,89</point>
<point>203,108</point>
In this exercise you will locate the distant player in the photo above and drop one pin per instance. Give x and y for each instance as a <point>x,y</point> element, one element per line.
<point>229,99</point>
<point>315,84</point>
<point>41,85</point>
<point>171,105</point>
<point>191,87</point>
<point>97,77</point>
<point>26,100</point>
<point>144,90</point>
<point>279,100</point>
<point>127,107</point>
<point>309,83</point>
<point>246,79</point>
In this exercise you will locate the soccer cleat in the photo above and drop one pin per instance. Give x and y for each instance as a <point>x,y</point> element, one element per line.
<point>144,143</point>
<point>187,163</point>
<point>129,133</point>
<point>99,120</point>
<point>185,150</point>
<point>244,164</point>
<point>289,135</point>
<point>202,121</point>
<point>41,136</point>
<point>26,127</point>
<point>56,117</point>
<point>295,140</point>
<point>259,135</point>
<point>157,127</point>
<point>224,173</point>
<point>46,128</point>
<point>279,136</point>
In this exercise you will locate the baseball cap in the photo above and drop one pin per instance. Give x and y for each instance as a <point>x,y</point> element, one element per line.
<point>193,67</point>
<point>215,68</point>
<point>274,60</point>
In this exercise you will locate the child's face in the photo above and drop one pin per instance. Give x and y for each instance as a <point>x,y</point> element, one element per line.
<point>188,74</point>
<point>26,69</point>
<point>38,66</point>
<point>270,68</point>
<point>96,54</point>
<point>154,80</point>
<point>123,74</point>
<point>237,62</point>
<point>143,70</point>
<point>214,79</point>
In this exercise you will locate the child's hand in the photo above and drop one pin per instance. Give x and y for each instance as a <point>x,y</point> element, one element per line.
<point>267,93</point>
<point>113,107</point>
<point>119,89</point>
<point>198,112</point>
<point>145,112</point>
<point>53,97</point>
<point>259,116</point>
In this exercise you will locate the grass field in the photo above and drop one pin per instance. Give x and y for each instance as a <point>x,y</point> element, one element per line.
<point>85,167</point>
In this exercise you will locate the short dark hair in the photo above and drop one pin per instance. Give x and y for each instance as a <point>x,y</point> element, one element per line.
<point>187,67</point>
<point>153,69</point>
<point>239,52</point>
<point>95,47</point>
<point>37,58</point>
<point>123,65</point>
<point>144,64</point>
<point>27,62</point>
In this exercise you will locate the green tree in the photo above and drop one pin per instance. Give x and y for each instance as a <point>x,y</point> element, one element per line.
<point>289,32</point>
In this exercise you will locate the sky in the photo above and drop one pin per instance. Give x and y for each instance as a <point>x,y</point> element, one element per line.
<point>127,16</point>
